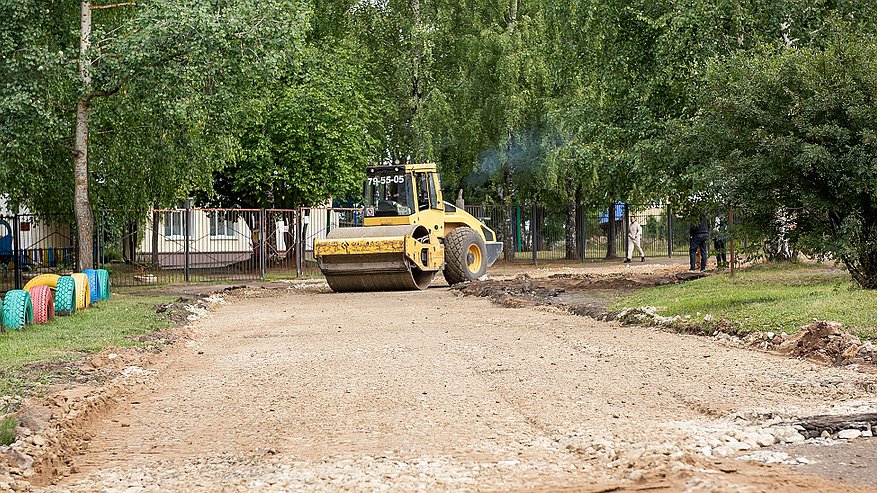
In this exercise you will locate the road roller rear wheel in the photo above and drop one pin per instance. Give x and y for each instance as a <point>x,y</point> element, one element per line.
<point>465,255</point>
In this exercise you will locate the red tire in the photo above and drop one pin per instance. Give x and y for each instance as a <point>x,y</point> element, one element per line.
<point>43,304</point>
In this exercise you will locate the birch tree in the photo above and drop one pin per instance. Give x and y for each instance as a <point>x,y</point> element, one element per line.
<point>153,95</point>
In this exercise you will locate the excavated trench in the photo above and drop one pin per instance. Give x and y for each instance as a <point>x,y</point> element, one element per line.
<point>582,294</point>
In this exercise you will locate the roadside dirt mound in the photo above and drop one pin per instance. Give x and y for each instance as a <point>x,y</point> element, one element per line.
<point>828,343</point>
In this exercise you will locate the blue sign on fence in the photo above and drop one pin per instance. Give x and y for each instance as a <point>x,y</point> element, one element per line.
<point>619,213</point>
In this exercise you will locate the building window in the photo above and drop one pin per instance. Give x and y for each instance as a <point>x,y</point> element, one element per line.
<point>221,225</point>
<point>173,224</point>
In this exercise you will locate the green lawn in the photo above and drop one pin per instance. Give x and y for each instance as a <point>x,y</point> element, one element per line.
<point>27,356</point>
<point>769,297</point>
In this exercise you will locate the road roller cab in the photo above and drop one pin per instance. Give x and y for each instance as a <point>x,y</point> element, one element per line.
<point>409,234</point>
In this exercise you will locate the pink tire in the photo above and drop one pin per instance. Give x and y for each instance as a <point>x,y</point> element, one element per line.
<point>43,304</point>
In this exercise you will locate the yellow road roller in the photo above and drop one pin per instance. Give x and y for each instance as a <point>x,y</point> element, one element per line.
<point>408,235</point>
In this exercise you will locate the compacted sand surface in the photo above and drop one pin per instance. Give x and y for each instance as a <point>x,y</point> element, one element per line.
<point>431,391</point>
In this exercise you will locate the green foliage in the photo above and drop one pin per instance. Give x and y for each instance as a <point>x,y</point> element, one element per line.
<point>37,87</point>
<point>768,298</point>
<point>631,71</point>
<point>168,81</point>
<point>282,103</point>
<point>306,135</point>
<point>7,429</point>
<point>793,129</point>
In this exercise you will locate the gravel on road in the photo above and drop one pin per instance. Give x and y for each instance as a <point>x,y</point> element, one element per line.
<point>306,390</point>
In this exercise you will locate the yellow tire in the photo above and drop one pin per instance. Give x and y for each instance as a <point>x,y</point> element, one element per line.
<point>50,280</point>
<point>83,294</point>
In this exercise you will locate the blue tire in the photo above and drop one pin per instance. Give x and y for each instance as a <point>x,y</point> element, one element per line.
<point>94,285</point>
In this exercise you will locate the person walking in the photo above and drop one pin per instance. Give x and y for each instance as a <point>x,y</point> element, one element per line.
<point>699,234</point>
<point>634,238</point>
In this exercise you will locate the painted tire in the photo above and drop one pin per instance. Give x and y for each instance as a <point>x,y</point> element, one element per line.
<point>50,280</point>
<point>17,310</point>
<point>43,304</point>
<point>94,286</point>
<point>103,277</point>
<point>83,293</point>
<point>65,296</point>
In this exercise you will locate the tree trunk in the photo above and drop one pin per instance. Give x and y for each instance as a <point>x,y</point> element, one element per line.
<point>571,223</point>
<point>779,248</point>
<point>416,62</point>
<point>539,220</point>
<point>572,251</point>
<point>610,234</point>
<point>580,230</point>
<point>508,231</point>
<point>863,268</point>
<point>81,201</point>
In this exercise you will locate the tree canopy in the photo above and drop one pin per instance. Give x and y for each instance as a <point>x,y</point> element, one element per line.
<point>281,103</point>
<point>794,131</point>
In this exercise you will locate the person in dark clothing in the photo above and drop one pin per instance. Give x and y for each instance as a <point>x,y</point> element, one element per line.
<point>699,236</point>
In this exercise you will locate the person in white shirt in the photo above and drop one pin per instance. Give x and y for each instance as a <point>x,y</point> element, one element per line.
<point>634,235</point>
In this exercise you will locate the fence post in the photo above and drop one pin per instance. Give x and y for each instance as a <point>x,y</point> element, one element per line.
<point>16,250</point>
<point>519,225</point>
<point>299,243</point>
<point>533,232</point>
<point>154,240</point>
<point>187,228</point>
<point>262,237</point>
<point>580,230</point>
<point>669,232</point>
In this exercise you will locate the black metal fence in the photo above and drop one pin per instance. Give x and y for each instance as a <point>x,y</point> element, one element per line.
<point>535,233</point>
<point>31,245</point>
<point>203,245</point>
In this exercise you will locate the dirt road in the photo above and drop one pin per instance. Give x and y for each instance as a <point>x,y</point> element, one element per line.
<point>430,391</point>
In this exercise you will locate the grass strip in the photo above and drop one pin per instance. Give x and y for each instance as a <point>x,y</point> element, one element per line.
<point>110,323</point>
<point>768,297</point>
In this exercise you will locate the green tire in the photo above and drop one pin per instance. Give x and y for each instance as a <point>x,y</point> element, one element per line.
<point>65,296</point>
<point>103,277</point>
<point>17,310</point>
